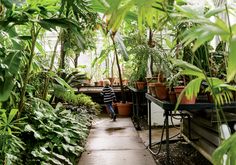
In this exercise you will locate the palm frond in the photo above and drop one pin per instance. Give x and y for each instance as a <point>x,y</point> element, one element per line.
<point>231,70</point>
<point>225,150</point>
<point>188,69</point>
<point>190,91</point>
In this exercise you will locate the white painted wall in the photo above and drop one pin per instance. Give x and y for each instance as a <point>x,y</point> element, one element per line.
<point>157,118</point>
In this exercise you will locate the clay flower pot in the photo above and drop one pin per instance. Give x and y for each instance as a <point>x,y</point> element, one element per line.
<point>184,100</point>
<point>124,109</point>
<point>140,85</point>
<point>161,91</point>
<point>152,90</point>
<point>172,97</point>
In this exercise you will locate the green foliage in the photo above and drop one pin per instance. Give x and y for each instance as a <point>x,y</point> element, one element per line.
<point>9,67</point>
<point>78,100</point>
<point>220,91</point>
<point>231,70</point>
<point>74,79</point>
<point>10,145</point>
<point>225,153</point>
<point>139,62</point>
<point>204,28</point>
<point>55,136</point>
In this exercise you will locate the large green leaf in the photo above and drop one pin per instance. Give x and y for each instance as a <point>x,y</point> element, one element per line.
<point>52,23</point>
<point>121,46</point>
<point>118,14</point>
<point>7,3</point>
<point>37,135</point>
<point>149,17</point>
<point>12,115</point>
<point>188,69</point>
<point>231,70</point>
<point>190,91</point>
<point>213,12</point>
<point>226,148</point>
<point>13,61</point>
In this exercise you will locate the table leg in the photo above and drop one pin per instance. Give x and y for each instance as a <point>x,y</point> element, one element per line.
<point>167,137</point>
<point>149,124</point>
<point>137,110</point>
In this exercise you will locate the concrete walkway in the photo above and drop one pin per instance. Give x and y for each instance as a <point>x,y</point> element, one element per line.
<point>115,143</point>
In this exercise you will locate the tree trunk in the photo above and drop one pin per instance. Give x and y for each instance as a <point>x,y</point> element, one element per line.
<point>63,52</point>
<point>76,60</point>
<point>45,90</point>
<point>34,34</point>
<point>119,70</point>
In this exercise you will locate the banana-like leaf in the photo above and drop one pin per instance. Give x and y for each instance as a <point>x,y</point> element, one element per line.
<point>12,115</point>
<point>52,23</point>
<point>4,116</point>
<point>188,67</point>
<point>221,90</point>
<point>7,3</point>
<point>192,73</point>
<point>121,46</point>
<point>29,128</point>
<point>215,11</point>
<point>150,16</point>
<point>231,70</point>
<point>13,61</point>
<point>40,48</point>
<point>205,33</point>
<point>99,5</point>
<point>189,11</point>
<point>226,148</point>
<point>118,15</point>
<point>190,91</point>
<point>214,81</point>
<point>61,81</point>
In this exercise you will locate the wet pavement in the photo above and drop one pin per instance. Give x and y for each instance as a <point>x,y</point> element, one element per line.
<point>115,143</point>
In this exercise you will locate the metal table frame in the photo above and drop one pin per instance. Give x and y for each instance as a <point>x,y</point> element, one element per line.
<point>137,96</point>
<point>169,107</point>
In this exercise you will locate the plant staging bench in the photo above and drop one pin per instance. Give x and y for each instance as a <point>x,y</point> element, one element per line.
<point>139,105</point>
<point>94,92</point>
<point>199,126</point>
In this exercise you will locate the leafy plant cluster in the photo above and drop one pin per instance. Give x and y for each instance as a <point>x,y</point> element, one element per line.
<point>75,99</point>
<point>54,136</point>
<point>10,144</point>
<point>31,131</point>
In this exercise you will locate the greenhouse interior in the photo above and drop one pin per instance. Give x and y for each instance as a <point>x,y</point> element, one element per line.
<point>121,82</point>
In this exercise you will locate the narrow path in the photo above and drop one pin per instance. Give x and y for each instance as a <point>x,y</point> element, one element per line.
<point>115,143</point>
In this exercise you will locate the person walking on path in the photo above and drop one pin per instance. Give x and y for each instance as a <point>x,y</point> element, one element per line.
<point>108,97</point>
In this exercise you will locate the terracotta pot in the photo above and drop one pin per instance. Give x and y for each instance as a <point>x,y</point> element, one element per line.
<point>125,82</point>
<point>140,85</point>
<point>111,80</point>
<point>124,109</point>
<point>152,90</point>
<point>184,100</point>
<point>100,83</point>
<point>161,91</point>
<point>172,97</point>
